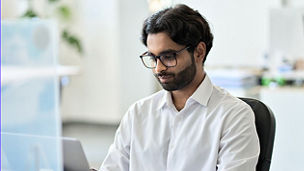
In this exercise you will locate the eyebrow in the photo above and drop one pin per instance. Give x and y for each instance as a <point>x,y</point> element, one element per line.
<point>164,52</point>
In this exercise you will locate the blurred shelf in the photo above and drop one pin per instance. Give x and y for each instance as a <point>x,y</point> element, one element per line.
<point>15,74</point>
<point>290,75</point>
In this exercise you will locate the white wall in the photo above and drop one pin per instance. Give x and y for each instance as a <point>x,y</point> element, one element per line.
<point>93,93</point>
<point>240,29</point>
<point>136,81</point>
<point>112,76</point>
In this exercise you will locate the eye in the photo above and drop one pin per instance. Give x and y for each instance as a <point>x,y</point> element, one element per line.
<point>168,57</point>
<point>151,58</point>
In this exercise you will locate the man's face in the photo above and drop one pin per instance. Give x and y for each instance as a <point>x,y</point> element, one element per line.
<point>171,78</point>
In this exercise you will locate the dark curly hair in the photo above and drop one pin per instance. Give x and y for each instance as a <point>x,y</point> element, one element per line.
<point>184,26</point>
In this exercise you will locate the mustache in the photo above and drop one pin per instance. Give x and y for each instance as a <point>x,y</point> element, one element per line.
<point>163,74</point>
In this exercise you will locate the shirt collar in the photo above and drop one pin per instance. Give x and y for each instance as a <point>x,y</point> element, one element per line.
<point>201,94</point>
<point>166,99</point>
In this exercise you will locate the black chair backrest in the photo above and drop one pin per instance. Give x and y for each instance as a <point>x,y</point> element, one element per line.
<point>265,125</point>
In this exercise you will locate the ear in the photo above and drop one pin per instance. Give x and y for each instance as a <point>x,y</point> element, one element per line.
<point>200,50</point>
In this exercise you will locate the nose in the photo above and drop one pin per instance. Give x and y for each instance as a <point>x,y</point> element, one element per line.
<point>159,66</point>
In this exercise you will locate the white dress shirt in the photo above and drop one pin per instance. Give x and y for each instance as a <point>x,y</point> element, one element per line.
<point>214,131</point>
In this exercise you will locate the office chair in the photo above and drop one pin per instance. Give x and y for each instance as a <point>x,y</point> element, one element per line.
<point>265,125</point>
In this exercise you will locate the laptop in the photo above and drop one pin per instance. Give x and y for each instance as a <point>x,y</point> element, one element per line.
<point>74,158</point>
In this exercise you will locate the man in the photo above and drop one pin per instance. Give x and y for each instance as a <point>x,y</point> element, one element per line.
<point>191,125</point>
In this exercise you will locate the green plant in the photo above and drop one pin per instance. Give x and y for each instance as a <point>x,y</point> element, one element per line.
<point>65,13</point>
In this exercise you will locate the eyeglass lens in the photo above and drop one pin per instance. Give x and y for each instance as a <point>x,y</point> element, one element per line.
<point>167,60</point>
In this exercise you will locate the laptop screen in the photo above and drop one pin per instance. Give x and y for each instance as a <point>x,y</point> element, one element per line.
<point>74,158</point>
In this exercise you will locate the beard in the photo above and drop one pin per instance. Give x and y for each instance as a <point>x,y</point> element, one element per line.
<point>181,79</point>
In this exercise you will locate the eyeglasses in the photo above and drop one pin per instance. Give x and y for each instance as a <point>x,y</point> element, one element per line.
<point>168,59</point>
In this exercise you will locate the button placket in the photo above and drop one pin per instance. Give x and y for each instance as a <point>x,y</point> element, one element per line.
<point>177,119</point>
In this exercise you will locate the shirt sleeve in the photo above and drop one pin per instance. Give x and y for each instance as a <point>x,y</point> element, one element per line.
<point>239,144</point>
<point>118,155</point>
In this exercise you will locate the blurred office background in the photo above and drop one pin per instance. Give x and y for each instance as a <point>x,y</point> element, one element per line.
<point>258,52</point>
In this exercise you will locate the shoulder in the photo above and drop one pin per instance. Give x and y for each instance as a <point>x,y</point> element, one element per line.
<point>232,112</point>
<point>229,105</point>
<point>139,111</point>
<point>150,102</point>
<point>226,99</point>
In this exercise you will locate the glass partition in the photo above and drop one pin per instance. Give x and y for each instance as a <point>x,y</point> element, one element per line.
<point>30,120</point>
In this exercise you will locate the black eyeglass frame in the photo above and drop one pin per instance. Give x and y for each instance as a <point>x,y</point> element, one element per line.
<point>174,54</point>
